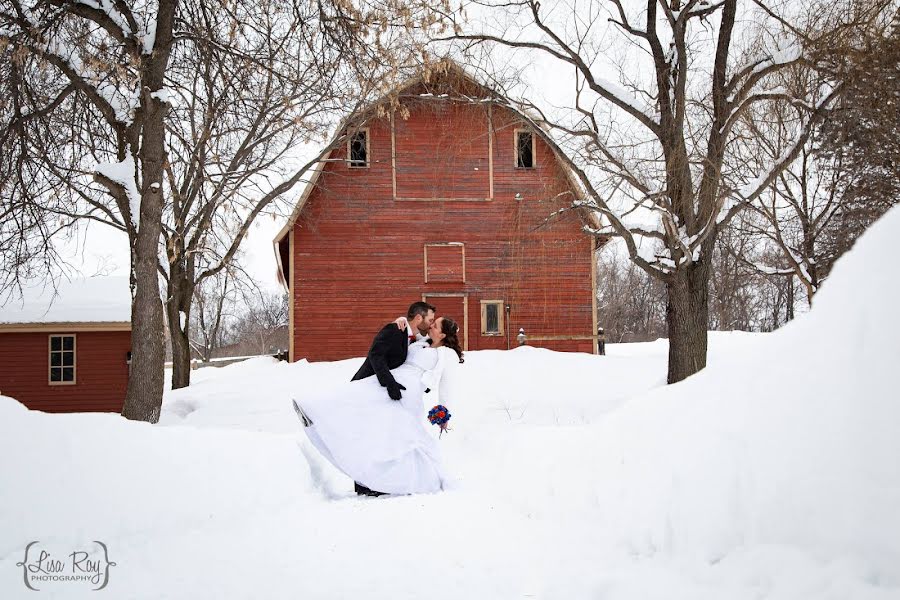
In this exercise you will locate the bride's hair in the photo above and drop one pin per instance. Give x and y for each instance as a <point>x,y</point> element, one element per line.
<point>450,329</point>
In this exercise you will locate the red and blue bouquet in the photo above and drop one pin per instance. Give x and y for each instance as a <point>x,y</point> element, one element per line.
<point>440,416</point>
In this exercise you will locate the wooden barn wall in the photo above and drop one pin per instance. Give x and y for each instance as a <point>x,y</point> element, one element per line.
<point>101,373</point>
<point>457,166</point>
<point>359,252</point>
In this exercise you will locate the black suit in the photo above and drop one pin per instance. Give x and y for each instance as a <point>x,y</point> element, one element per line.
<point>388,352</point>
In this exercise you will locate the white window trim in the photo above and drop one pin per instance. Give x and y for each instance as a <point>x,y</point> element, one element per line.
<point>74,358</point>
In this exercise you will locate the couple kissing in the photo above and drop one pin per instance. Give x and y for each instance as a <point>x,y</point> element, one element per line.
<point>375,428</point>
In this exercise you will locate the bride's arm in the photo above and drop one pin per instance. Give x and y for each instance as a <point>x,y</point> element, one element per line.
<point>449,377</point>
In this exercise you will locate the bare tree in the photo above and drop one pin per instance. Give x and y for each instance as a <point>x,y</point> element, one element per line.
<point>213,298</point>
<point>862,132</point>
<point>733,285</point>
<point>27,233</point>
<point>798,211</point>
<point>85,79</point>
<point>91,88</point>
<point>247,108</point>
<point>743,297</point>
<point>261,326</point>
<point>864,126</point>
<point>631,305</point>
<point>814,210</point>
<point>653,150</point>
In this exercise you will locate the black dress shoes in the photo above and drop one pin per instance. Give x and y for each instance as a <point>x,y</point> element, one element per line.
<point>362,490</point>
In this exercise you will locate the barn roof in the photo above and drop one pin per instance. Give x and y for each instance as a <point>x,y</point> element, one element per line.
<point>454,69</point>
<point>102,302</point>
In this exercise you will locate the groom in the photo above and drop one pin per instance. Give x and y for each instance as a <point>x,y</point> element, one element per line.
<point>388,351</point>
<point>389,348</point>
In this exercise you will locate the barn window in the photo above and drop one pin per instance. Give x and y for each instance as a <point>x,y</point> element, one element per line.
<point>492,317</point>
<point>358,148</point>
<point>524,149</point>
<point>62,359</point>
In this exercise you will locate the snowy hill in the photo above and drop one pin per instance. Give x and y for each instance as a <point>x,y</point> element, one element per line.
<point>772,474</point>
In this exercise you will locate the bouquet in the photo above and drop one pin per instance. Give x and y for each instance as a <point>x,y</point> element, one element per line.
<point>440,416</point>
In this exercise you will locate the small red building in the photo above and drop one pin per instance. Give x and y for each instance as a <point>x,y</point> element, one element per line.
<point>68,353</point>
<point>447,196</point>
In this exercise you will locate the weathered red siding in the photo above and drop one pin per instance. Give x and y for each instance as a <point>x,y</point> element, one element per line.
<point>359,253</point>
<point>101,373</point>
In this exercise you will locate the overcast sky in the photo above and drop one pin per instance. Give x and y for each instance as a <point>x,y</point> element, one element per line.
<point>103,249</point>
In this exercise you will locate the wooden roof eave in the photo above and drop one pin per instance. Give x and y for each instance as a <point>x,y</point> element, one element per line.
<point>310,185</point>
<point>65,326</point>
<point>295,214</point>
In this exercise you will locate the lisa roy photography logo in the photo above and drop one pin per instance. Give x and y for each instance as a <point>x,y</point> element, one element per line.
<point>47,566</point>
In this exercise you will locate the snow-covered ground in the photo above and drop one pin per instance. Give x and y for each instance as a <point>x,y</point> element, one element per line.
<point>774,473</point>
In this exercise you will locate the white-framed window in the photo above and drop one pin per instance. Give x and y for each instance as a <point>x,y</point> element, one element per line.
<point>61,359</point>
<point>524,146</point>
<point>492,317</point>
<point>358,149</point>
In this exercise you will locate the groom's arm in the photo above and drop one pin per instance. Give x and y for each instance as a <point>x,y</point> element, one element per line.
<point>379,351</point>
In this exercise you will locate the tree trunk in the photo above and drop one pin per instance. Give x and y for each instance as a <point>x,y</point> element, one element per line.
<point>179,295</point>
<point>687,316</point>
<point>789,312</point>
<point>181,347</point>
<point>143,400</point>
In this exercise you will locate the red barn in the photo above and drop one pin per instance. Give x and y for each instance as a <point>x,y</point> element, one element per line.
<point>445,196</point>
<point>68,353</point>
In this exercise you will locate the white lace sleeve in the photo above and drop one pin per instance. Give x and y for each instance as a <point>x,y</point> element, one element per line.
<point>448,389</point>
<point>431,378</point>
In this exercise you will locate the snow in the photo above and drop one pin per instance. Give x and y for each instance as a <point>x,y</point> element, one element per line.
<point>148,36</point>
<point>165,95</point>
<point>107,7</point>
<point>124,173</point>
<point>771,474</point>
<point>123,101</point>
<point>92,299</point>
<point>623,97</point>
<point>785,55</point>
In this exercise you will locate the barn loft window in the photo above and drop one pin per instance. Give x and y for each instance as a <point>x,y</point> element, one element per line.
<point>492,317</point>
<point>62,359</point>
<point>358,148</point>
<point>524,149</point>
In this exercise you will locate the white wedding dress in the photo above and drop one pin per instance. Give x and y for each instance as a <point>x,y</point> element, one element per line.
<point>384,444</point>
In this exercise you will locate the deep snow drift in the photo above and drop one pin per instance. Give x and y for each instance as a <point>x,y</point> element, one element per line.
<point>772,474</point>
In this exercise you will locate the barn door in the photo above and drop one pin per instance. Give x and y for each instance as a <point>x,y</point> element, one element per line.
<point>455,306</point>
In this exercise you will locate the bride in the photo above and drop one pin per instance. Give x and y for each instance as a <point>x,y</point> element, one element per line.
<point>385,444</point>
